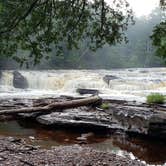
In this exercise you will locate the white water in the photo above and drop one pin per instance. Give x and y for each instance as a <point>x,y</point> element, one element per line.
<point>132,84</point>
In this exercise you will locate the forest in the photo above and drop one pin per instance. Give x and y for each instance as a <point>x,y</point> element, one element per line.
<point>137,51</point>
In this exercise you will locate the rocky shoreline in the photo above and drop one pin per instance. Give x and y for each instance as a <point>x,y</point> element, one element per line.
<point>139,118</point>
<point>123,116</point>
<point>132,117</point>
<point>15,152</point>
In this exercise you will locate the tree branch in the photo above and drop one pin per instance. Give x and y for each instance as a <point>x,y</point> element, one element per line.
<point>14,25</point>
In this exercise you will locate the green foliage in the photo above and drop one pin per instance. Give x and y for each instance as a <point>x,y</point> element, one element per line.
<point>155,98</point>
<point>163,4</point>
<point>37,27</point>
<point>138,52</point>
<point>104,106</point>
<point>159,39</point>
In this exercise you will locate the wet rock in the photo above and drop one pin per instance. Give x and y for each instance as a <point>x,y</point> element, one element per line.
<point>121,115</point>
<point>87,91</point>
<point>143,71</point>
<point>78,117</point>
<point>19,81</point>
<point>130,70</point>
<point>107,78</point>
<point>29,115</point>
<point>132,118</point>
<point>140,119</point>
<point>86,135</point>
<point>81,138</point>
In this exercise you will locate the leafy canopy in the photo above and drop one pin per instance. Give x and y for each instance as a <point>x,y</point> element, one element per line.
<point>159,34</point>
<point>32,28</point>
<point>159,39</point>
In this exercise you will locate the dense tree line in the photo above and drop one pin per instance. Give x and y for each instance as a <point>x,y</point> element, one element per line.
<point>138,52</point>
<point>79,34</point>
<point>34,28</point>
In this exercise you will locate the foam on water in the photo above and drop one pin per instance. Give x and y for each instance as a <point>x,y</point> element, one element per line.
<point>130,84</point>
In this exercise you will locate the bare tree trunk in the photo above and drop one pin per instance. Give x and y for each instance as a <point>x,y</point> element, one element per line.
<point>57,105</point>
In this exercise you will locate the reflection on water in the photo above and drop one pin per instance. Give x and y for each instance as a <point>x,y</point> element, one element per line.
<point>145,149</point>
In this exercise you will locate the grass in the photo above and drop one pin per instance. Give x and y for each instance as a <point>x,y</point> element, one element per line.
<point>155,98</point>
<point>104,106</point>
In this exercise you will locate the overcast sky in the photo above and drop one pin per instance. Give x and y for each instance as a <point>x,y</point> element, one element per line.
<point>142,7</point>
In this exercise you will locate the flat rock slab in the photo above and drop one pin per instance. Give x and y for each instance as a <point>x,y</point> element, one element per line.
<point>140,119</point>
<point>121,115</point>
<point>14,152</point>
<point>79,117</point>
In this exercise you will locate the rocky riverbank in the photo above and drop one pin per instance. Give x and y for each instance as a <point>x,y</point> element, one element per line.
<point>133,117</point>
<point>15,152</point>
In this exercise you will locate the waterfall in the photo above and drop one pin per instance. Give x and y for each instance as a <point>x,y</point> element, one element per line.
<point>6,81</point>
<point>121,84</point>
<point>63,80</point>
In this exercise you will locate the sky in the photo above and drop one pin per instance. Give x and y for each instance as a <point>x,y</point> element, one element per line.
<point>142,7</point>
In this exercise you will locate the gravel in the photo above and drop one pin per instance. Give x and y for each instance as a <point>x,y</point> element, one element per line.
<point>16,152</point>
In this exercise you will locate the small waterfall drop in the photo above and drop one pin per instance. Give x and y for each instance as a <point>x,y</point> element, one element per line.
<point>126,84</point>
<point>6,81</point>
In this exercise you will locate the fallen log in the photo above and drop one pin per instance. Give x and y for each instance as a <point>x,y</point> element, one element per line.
<point>54,106</point>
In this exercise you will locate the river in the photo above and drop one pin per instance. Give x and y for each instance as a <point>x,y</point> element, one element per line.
<point>132,84</point>
<point>126,84</point>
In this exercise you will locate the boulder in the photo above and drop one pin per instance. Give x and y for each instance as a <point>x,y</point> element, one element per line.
<point>107,78</point>
<point>19,81</point>
<point>87,91</point>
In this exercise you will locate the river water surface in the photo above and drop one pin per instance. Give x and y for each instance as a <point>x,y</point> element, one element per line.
<point>126,84</point>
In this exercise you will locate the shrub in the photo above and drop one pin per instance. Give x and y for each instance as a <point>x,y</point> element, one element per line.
<point>104,106</point>
<point>155,98</point>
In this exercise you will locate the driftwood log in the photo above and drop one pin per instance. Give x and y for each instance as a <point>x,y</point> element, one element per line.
<point>55,106</point>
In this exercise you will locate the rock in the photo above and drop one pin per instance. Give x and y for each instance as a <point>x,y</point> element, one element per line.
<point>81,139</point>
<point>29,115</point>
<point>78,117</point>
<point>143,71</point>
<point>130,70</point>
<point>87,91</point>
<point>66,140</point>
<point>124,116</point>
<point>17,154</point>
<point>140,119</point>
<point>31,137</point>
<point>107,78</point>
<point>86,135</point>
<point>19,81</point>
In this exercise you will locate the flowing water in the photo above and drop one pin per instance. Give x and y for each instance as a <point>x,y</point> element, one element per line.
<point>128,84</point>
<point>146,150</point>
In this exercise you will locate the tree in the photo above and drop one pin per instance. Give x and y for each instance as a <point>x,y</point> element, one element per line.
<point>159,35</point>
<point>38,26</point>
<point>159,39</point>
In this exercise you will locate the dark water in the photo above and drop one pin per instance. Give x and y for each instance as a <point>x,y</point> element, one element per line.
<point>145,149</point>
